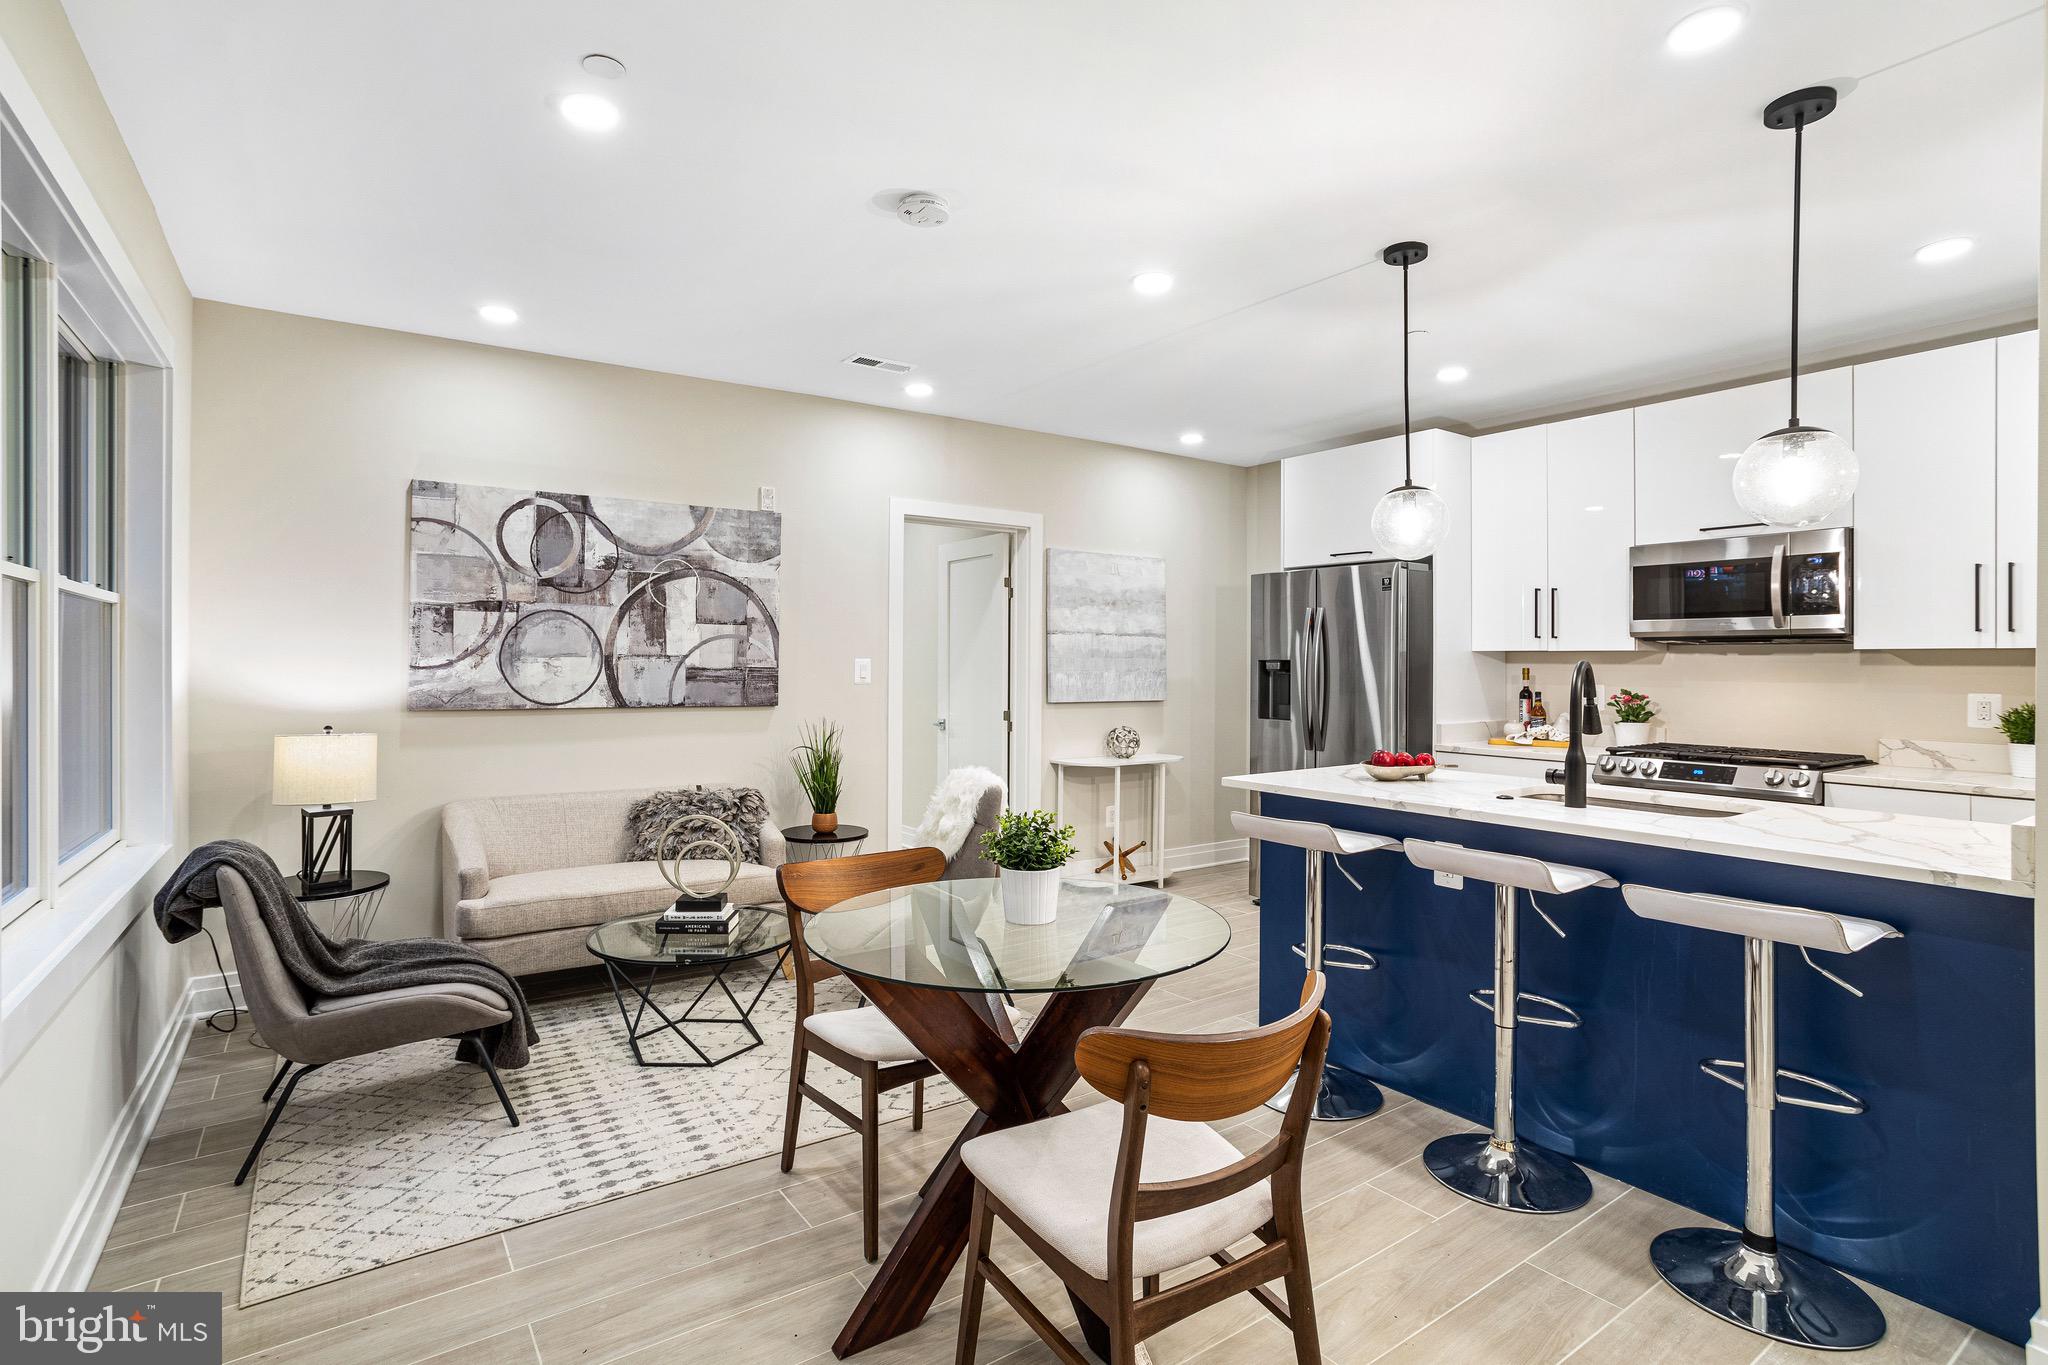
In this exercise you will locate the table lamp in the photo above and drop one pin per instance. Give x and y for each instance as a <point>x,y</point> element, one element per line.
<point>320,774</point>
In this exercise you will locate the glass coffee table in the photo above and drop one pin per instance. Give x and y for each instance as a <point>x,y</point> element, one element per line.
<point>635,954</point>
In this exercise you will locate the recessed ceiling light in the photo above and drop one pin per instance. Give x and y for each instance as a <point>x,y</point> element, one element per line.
<point>590,113</point>
<point>1597,507</point>
<point>1453,374</point>
<point>604,66</point>
<point>1946,250</point>
<point>1704,30</point>
<point>499,314</point>
<point>917,388</point>
<point>1152,283</point>
<point>1191,438</point>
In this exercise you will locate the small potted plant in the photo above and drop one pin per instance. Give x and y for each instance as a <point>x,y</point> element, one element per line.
<point>2018,724</point>
<point>1633,713</point>
<point>1030,849</point>
<point>817,759</point>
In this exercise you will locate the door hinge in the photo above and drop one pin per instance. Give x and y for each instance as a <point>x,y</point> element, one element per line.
<point>1006,721</point>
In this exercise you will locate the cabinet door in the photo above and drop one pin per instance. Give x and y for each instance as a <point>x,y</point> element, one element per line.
<point>2019,453</point>
<point>1592,495</point>
<point>1326,500</point>
<point>1899,801</point>
<point>1508,540</point>
<point>2000,810</point>
<point>1926,507</point>
<point>1686,451</point>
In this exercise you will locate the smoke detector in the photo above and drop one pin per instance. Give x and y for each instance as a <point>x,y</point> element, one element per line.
<point>921,209</point>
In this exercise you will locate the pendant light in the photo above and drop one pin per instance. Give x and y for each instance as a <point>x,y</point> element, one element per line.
<point>1409,520</point>
<point>1798,474</point>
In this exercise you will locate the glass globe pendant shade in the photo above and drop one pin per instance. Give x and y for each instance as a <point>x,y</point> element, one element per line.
<point>1796,476</point>
<point>1408,522</point>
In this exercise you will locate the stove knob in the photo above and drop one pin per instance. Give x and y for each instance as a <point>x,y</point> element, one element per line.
<point>1773,778</point>
<point>1802,779</point>
<point>1607,763</point>
<point>1628,765</point>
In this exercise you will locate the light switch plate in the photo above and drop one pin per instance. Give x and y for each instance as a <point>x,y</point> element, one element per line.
<point>863,670</point>
<point>1982,713</point>
<point>1452,880</point>
<point>767,497</point>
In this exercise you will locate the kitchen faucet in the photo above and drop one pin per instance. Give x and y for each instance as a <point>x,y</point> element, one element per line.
<point>1584,713</point>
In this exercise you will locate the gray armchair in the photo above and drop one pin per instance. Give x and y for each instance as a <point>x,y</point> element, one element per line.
<point>310,1032</point>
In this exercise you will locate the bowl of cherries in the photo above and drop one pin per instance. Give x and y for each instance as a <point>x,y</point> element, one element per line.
<point>1393,767</point>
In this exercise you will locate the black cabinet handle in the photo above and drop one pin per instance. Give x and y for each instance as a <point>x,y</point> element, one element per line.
<point>1553,613</point>
<point>1536,613</point>
<point>2011,607</point>
<point>1737,526</point>
<point>1977,598</point>
<point>1340,554</point>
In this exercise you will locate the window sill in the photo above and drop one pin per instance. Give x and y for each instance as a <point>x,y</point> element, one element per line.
<point>47,954</point>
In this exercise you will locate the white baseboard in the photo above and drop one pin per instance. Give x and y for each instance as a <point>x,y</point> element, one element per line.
<point>71,1261</point>
<point>1188,857</point>
<point>205,994</point>
<point>2037,1339</point>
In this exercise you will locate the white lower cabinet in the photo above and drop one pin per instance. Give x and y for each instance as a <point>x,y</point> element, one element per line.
<point>2000,810</point>
<point>1503,765</point>
<point>1997,810</point>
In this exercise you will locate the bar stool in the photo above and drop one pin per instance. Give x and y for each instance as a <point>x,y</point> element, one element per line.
<point>1746,1277</point>
<point>1493,1168</point>
<point>1342,1094</point>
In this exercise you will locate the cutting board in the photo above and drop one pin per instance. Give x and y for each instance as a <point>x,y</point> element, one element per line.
<point>1534,744</point>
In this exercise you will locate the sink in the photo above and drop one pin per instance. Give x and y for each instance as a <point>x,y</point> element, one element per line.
<point>1651,807</point>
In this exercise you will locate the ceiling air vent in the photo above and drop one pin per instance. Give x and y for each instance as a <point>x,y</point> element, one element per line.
<point>869,362</point>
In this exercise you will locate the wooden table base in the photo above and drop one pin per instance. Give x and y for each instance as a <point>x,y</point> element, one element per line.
<point>964,1036</point>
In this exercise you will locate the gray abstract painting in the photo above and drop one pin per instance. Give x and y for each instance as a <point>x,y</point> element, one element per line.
<point>1105,627</point>
<point>526,600</point>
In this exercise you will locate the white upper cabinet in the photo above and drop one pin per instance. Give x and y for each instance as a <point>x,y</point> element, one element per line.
<point>1591,501</point>
<point>1686,451</point>
<point>1326,499</point>
<point>1926,551</point>
<point>2019,447</point>
<point>1509,541</point>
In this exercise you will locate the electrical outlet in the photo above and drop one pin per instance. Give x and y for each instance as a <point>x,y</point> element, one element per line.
<point>863,670</point>
<point>767,497</point>
<point>1983,709</point>
<point>1451,880</point>
<point>1109,818</point>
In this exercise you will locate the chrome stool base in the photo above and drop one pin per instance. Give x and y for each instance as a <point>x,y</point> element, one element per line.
<point>1814,1305</point>
<point>1531,1181</point>
<point>1343,1095</point>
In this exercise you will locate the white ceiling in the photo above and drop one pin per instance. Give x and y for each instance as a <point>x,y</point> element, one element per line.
<point>1606,220</point>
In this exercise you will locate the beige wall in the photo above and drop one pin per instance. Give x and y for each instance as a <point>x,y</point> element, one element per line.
<point>64,1098</point>
<point>307,433</point>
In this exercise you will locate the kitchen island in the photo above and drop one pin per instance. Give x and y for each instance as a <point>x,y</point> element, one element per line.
<point>1930,1193</point>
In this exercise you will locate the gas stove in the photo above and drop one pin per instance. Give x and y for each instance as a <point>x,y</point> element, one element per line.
<point>1723,770</point>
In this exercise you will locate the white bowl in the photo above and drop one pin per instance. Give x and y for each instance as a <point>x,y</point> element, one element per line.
<point>1389,773</point>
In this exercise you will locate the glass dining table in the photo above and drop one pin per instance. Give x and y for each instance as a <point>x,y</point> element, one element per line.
<point>939,959</point>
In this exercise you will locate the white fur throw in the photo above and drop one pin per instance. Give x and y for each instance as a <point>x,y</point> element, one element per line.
<point>950,816</point>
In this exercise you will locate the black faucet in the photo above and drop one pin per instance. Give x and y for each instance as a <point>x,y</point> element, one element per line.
<point>1584,712</point>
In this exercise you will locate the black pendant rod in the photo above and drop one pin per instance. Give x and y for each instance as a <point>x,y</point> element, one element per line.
<point>1407,435</point>
<point>1798,162</point>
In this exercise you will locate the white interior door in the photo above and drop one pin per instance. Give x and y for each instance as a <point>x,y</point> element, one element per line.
<point>974,655</point>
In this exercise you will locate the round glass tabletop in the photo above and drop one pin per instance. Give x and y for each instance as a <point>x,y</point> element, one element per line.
<point>952,935</point>
<point>636,942</point>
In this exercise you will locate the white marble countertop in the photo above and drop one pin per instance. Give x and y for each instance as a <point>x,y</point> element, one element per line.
<point>1960,853</point>
<point>1923,779</point>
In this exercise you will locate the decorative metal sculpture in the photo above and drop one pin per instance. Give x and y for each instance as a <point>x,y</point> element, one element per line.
<point>714,835</point>
<point>1122,742</point>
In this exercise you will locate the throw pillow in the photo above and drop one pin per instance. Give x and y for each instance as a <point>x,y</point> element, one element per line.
<point>743,808</point>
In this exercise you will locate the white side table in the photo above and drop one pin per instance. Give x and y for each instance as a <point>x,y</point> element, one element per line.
<point>1154,868</point>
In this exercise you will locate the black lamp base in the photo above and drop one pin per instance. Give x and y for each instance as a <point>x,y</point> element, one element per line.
<point>326,844</point>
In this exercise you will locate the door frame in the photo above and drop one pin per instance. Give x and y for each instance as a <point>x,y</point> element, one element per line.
<point>1027,670</point>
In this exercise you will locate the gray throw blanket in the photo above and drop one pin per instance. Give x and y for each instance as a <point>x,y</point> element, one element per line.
<point>326,967</point>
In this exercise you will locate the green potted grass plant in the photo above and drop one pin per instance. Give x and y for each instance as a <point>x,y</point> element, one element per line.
<point>1030,849</point>
<point>2018,724</point>
<point>817,760</point>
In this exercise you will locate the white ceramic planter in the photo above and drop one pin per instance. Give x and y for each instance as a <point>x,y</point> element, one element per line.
<point>1632,731</point>
<point>1030,897</point>
<point>2022,760</point>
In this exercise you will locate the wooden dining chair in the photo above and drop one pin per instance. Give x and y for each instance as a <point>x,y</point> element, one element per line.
<point>1113,1196</point>
<point>861,1040</point>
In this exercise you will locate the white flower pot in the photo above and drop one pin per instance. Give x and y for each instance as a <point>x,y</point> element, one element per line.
<point>1632,732</point>
<point>2022,760</point>
<point>1030,897</point>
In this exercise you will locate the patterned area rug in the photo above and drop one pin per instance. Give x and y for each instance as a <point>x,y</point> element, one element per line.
<point>390,1156</point>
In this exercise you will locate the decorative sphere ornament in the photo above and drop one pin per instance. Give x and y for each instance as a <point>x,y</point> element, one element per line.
<point>713,839</point>
<point>1408,522</point>
<point>1122,742</point>
<point>1796,476</point>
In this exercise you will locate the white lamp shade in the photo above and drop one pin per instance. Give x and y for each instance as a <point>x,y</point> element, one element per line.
<point>323,770</point>
<point>1796,477</point>
<point>1408,523</point>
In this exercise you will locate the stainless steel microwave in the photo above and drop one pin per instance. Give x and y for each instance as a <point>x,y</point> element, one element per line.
<point>1776,585</point>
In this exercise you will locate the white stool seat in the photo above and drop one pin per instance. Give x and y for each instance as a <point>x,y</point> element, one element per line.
<point>1791,924</point>
<point>1308,834</point>
<point>865,1032</point>
<point>1503,869</point>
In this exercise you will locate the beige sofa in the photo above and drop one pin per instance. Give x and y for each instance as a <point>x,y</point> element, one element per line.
<point>526,878</point>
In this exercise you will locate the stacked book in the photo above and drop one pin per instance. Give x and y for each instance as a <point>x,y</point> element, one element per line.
<point>698,922</point>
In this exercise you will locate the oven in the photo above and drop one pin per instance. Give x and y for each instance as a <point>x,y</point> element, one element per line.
<point>1777,585</point>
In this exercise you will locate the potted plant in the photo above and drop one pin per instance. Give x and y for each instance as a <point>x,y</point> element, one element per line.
<point>1030,849</point>
<point>1633,713</point>
<point>2018,724</point>
<point>817,759</point>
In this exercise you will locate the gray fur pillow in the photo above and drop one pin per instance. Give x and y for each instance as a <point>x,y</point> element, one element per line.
<point>743,808</point>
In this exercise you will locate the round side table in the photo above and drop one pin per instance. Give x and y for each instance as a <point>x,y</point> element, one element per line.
<point>806,843</point>
<point>357,898</point>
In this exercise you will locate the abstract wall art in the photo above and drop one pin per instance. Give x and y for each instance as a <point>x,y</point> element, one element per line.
<point>1105,627</point>
<point>526,600</point>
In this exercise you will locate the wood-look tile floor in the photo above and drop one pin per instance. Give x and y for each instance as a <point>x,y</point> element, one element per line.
<point>748,1266</point>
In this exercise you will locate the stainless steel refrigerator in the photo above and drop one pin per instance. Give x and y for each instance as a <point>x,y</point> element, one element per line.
<point>1340,666</point>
